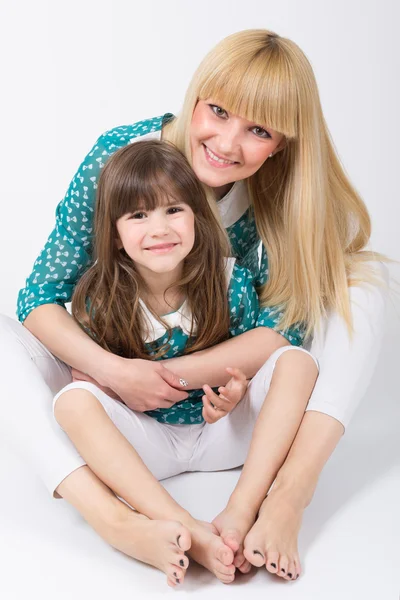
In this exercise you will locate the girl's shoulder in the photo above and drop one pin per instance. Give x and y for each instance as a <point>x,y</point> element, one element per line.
<point>123,135</point>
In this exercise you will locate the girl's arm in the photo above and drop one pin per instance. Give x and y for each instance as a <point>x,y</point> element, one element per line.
<point>247,352</point>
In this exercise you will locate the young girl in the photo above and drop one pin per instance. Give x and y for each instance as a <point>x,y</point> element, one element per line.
<point>253,130</point>
<point>155,291</point>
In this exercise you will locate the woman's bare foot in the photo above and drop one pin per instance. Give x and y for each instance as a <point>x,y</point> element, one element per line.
<point>272,541</point>
<point>233,524</point>
<point>161,544</point>
<point>209,550</point>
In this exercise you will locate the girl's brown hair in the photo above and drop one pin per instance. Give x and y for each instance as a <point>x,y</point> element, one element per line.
<point>143,176</point>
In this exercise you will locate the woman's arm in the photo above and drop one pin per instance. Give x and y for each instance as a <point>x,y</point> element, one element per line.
<point>347,364</point>
<point>141,384</point>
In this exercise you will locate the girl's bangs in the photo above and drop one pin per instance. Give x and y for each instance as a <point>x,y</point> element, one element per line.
<point>147,194</point>
<point>260,90</point>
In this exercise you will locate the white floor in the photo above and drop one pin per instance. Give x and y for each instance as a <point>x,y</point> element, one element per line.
<point>350,540</point>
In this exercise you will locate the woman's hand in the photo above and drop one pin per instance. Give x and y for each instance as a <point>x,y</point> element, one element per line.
<point>140,384</point>
<point>217,406</point>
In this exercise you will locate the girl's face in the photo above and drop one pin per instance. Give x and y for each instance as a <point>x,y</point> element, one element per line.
<point>157,240</point>
<point>227,148</point>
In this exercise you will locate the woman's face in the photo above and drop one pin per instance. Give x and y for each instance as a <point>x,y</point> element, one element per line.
<point>227,148</point>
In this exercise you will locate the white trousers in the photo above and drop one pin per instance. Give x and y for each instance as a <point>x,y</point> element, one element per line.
<point>32,376</point>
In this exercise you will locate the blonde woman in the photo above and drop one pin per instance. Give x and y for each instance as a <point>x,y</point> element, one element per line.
<point>253,130</point>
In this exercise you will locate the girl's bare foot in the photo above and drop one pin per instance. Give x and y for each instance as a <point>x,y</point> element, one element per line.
<point>161,544</point>
<point>272,541</point>
<point>209,550</point>
<point>233,524</point>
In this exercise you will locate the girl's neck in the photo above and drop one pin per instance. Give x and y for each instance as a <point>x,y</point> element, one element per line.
<point>160,294</point>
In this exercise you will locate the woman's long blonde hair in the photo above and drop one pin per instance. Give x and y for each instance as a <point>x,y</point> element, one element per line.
<point>312,222</point>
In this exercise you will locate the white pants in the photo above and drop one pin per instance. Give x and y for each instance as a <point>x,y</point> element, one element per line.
<point>32,377</point>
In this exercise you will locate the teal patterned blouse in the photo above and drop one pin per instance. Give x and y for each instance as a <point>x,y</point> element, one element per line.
<point>243,312</point>
<point>67,253</point>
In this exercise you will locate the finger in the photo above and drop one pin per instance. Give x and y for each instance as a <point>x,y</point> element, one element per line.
<point>212,397</point>
<point>212,413</point>
<point>237,373</point>
<point>172,379</point>
<point>209,414</point>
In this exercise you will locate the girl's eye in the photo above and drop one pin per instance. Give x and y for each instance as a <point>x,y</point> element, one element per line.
<point>262,133</point>
<point>138,215</point>
<point>217,110</point>
<point>173,210</point>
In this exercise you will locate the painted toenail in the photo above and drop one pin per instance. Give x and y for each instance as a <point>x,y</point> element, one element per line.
<point>177,539</point>
<point>290,575</point>
<point>258,552</point>
<point>273,565</point>
<point>177,580</point>
<point>283,570</point>
<point>181,563</point>
<point>175,575</point>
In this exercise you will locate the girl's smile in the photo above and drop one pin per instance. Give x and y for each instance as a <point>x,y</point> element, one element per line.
<point>158,240</point>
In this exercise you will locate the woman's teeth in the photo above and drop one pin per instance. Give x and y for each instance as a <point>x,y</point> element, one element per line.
<point>217,159</point>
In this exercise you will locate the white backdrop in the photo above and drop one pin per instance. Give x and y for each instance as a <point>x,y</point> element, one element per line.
<point>71,70</point>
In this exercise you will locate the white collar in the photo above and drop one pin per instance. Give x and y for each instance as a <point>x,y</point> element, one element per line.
<point>232,206</point>
<point>181,318</point>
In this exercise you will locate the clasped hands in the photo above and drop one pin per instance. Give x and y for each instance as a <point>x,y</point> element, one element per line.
<point>164,388</point>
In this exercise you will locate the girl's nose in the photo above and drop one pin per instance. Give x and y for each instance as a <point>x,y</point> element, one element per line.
<point>160,226</point>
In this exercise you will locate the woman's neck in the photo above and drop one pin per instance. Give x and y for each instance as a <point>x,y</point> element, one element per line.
<point>220,192</point>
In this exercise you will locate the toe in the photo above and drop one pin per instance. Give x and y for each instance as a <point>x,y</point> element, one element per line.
<point>231,539</point>
<point>226,578</point>
<point>225,555</point>
<point>255,557</point>
<point>246,567</point>
<point>171,582</point>
<point>283,566</point>
<point>180,560</point>
<point>297,566</point>
<point>291,573</point>
<point>175,572</point>
<point>225,570</point>
<point>272,561</point>
<point>239,558</point>
<point>183,539</point>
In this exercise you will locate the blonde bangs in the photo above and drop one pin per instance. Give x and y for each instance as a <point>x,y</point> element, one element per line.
<point>254,83</point>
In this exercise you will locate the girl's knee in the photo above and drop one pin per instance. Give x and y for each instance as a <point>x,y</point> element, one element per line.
<point>296,363</point>
<point>73,404</point>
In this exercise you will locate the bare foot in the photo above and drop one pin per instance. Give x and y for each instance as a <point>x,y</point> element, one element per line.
<point>209,550</point>
<point>161,544</point>
<point>272,541</point>
<point>233,524</point>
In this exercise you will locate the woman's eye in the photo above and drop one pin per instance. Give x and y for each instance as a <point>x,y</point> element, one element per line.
<point>173,210</point>
<point>260,132</point>
<point>217,110</point>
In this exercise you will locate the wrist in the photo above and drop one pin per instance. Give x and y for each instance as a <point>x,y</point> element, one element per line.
<point>104,367</point>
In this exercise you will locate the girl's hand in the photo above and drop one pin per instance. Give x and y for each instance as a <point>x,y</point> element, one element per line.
<point>217,406</point>
<point>140,384</point>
